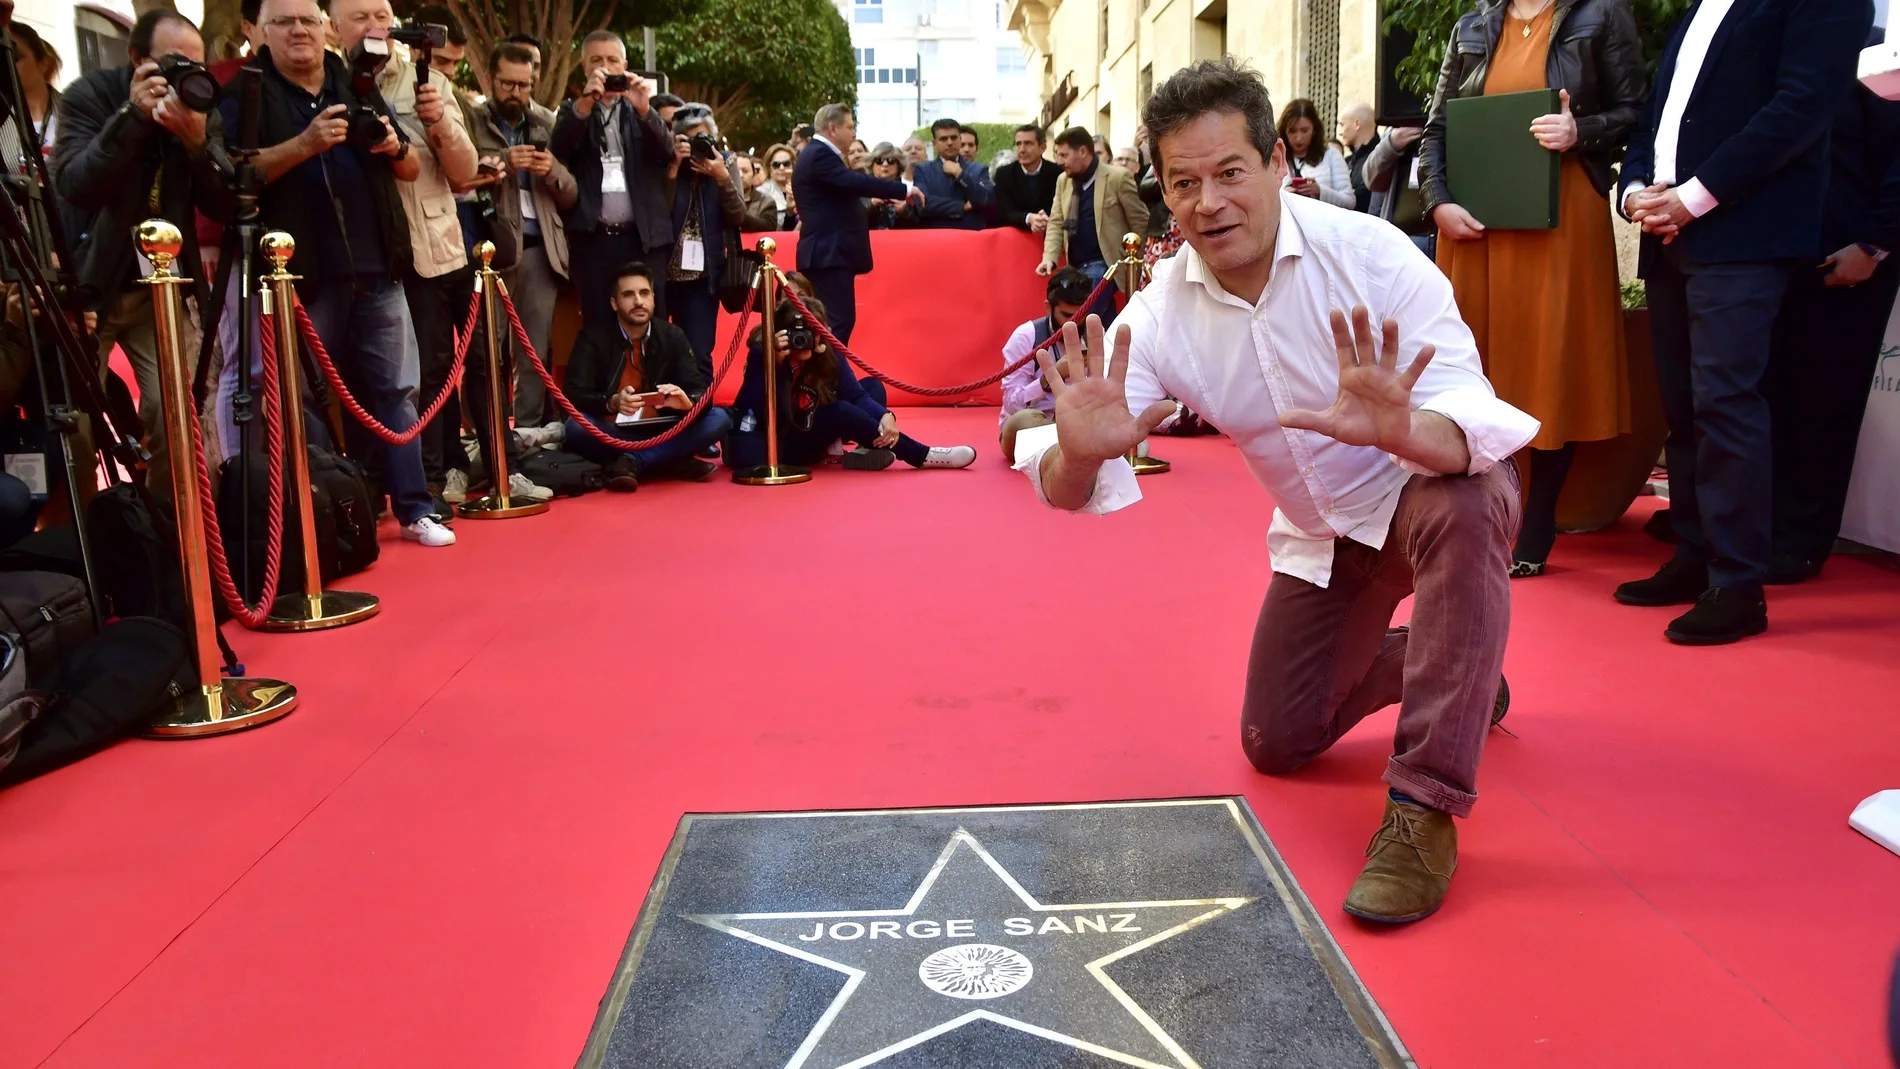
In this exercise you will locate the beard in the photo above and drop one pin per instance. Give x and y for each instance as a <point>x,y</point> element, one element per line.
<point>511,110</point>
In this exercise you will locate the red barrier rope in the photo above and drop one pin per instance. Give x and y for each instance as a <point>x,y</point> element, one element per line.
<point>622,444</point>
<point>831,339</point>
<point>349,403</point>
<point>274,526</point>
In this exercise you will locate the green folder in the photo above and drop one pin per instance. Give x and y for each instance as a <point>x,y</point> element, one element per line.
<point>1497,170</point>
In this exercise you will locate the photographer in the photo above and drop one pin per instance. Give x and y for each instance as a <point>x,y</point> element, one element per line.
<point>125,135</point>
<point>332,183</point>
<point>613,141</point>
<point>703,187</point>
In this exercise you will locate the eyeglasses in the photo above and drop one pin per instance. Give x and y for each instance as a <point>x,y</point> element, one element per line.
<point>290,22</point>
<point>509,83</point>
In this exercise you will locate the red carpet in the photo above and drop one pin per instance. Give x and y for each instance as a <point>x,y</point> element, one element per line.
<point>435,861</point>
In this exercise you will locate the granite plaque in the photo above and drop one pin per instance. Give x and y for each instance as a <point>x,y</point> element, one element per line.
<point>1158,934</point>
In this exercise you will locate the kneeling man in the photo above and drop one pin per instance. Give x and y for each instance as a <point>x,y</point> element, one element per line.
<point>1378,437</point>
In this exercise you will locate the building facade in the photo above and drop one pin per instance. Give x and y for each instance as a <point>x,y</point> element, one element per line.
<point>920,60</point>
<point>88,36</point>
<point>1098,60</point>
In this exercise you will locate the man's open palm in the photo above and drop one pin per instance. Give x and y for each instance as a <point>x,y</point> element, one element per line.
<point>1374,406</point>
<point>1093,423</point>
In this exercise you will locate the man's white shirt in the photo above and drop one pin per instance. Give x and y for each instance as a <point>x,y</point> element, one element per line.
<point>1241,365</point>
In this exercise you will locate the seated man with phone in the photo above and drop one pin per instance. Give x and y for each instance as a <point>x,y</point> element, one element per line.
<point>634,379</point>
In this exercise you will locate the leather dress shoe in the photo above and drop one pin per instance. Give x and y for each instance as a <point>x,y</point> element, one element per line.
<point>621,474</point>
<point>1720,616</point>
<point>1408,866</point>
<point>1675,583</point>
<point>692,469</point>
<point>1786,569</point>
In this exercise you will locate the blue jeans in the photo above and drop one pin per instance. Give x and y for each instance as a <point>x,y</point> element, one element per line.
<point>364,323</point>
<point>695,310</point>
<point>1104,305</point>
<point>710,427</point>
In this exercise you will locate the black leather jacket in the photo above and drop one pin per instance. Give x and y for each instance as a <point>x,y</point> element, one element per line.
<point>1595,53</point>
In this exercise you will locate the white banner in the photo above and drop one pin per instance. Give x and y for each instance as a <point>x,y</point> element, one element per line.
<point>1873,498</point>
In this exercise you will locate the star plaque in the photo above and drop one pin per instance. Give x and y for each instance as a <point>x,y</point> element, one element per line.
<point>1160,935</point>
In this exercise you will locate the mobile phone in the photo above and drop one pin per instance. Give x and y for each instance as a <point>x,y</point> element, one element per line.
<point>488,167</point>
<point>616,83</point>
<point>539,144</point>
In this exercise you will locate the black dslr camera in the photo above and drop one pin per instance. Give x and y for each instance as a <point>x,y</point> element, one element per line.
<point>704,148</point>
<point>367,60</point>
<point>195,86</point>
<point>423,38</point>
<point>798,333</point>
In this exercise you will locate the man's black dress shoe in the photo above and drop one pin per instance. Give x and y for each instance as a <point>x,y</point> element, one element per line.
<point>1657,527</point>
<point>1674,583</point>
<point>1786,569</point>
<point>1720,616</point>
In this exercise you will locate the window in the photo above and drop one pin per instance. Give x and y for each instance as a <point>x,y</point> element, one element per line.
<point>1145,85</point>
<point>1322,61</point>
<point>1010,60</point>
<point>101,40</point>
<point>868,11</point>
<point>1101,35</point>
<point>910,76</point>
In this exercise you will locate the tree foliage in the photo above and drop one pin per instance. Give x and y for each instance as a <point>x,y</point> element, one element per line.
<point>1432,22</point>
<point>763,65</point>
<point>559,25</point>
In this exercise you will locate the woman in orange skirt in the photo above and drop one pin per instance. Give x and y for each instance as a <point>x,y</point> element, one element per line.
<point>1544,304</point>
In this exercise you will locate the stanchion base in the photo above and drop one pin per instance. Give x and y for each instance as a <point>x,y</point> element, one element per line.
<point>235,704</point>
<point>491,508</point>
<point>335,608</point>
<point>771,475</point>
<point>1149,465</point>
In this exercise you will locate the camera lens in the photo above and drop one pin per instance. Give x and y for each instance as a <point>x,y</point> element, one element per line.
<point>195,86</point>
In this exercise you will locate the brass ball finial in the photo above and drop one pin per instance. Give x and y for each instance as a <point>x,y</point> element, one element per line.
<point>767,246</point>
<point>1131,245</point>
<point>279,247</point>
<point>486,250</point>
<point>160,241</point>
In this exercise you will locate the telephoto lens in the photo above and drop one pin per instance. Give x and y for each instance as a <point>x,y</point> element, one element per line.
<point>195,86</point>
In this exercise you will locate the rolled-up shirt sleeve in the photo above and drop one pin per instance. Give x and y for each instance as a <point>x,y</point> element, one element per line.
<point>1022,388</point>
<point>1419,296</point>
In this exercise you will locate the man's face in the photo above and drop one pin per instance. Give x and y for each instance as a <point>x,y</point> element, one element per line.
<point>1078,160</point>
<point>915,150</point>
<point>609,57</point>
<point>357,19</point>
<point>1224,196</point>
<point>746,171</point>
<point>293,31</point>
<point>949,143</point>
<point>1028,149</point>
<point>512,84</point>
<point>1060,312</point>
<point>843,132</point>
<point>966,145</point>
<point>177,36</point>
<point>447,58</point>
<point>633,300</point>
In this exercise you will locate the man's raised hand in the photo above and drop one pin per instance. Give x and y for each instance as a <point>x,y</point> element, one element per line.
<point>1093,423</point>
<point>1374,406</point>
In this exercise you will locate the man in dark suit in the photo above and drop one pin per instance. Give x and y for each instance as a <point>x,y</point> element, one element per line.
<point>1828,338</point>
<point>834,239</point>
<point>956,193</point>
<point>622,213</point>
<point>1725,172</point>
<point>1026,187</point>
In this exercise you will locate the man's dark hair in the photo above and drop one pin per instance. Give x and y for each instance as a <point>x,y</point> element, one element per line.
<point>1222,85</point>
<point>1069,286</point>
<point>146,28</point>
<point>509,52</point>
<point>1031,128</point>
<point>631,267</point>
<point>441,16</point>
<point>250,9</point>
<point>521,39</point>
<point>667,100</point>
<point>944,124</point>
<point>1076,137</point>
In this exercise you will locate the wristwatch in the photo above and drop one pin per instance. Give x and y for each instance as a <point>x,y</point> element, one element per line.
<point>402,153</point>
<point>1872,250</point>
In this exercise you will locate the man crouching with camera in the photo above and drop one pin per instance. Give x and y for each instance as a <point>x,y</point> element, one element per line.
<point>331,159</point>
<point>136,142</point>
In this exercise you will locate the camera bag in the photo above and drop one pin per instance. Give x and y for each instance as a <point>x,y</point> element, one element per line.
<point>105,690</point>
<point>46,616</point>
<point>564,473</point>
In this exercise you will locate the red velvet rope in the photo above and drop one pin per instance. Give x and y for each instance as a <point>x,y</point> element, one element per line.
<point>350,405</point>
<point>554,391</point>
<point>274,526</point>
<point>831,339</point>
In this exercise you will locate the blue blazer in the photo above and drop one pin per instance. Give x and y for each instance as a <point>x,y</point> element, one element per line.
<point>944,196</point>
<point>833,229</point>
<point>1755,130</point>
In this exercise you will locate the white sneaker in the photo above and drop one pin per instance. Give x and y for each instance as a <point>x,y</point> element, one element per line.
<point>428,532</point>
<point>553,434</point>
<point>521,488</point>
<point>950,456</point>
<point>455,486</point>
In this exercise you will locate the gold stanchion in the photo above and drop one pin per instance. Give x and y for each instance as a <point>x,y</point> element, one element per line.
<point>313,608</point>
<point>1131,266</point>
<point>496,505</point>
<point>219,705</point>
<point>771,473</point>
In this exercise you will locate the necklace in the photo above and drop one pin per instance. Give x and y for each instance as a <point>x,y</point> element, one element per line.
<point>1534,16</point>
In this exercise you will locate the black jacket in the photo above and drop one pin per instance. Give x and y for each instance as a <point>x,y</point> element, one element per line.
<point>280,207</point>
<point>1863,187</point>
<point>105,160</point>
<point>600,353</point>
<point>1755,129</point>
<point>646,150</point>
<point>1595,53</point>
<point>1019,194</point>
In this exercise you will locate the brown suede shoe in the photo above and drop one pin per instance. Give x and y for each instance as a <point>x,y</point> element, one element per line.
<point>1409,863</point>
